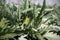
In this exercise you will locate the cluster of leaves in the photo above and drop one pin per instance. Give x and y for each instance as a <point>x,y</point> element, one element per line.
<point>27,19</point>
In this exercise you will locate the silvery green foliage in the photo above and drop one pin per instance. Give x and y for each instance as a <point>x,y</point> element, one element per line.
<point>35,21</point>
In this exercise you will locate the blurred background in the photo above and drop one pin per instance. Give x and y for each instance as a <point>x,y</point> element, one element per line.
<point>48,2</point>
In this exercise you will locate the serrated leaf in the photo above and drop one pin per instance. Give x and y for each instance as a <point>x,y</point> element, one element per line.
<point>10,35</point>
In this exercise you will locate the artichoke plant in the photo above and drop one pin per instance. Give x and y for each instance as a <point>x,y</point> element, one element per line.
<point>35,21</point>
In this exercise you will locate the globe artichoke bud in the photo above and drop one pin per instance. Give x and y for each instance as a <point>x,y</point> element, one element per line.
<point>27,20</point>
